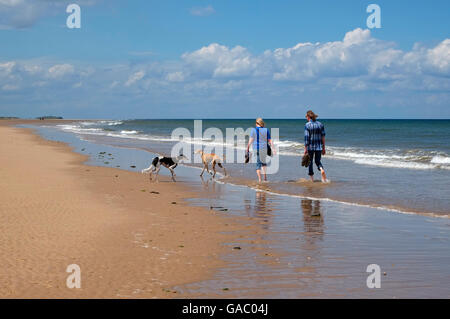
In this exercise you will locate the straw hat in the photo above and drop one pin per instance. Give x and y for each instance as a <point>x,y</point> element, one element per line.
<point>260,122</point>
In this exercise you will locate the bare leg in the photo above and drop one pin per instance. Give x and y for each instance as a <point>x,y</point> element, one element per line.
<point>264,173</point>
<point>324,176</point>
<point>258,172</point>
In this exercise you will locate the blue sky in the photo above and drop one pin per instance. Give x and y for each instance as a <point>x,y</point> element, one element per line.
<point>203,59</point>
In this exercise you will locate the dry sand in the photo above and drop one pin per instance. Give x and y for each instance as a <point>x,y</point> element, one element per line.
<point>128,242</point>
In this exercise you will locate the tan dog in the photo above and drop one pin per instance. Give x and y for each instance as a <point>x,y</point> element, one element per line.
<point>213,159</point>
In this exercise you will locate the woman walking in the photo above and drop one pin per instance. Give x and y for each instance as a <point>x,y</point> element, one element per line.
<point>315,144</point>
<point>260,139</point>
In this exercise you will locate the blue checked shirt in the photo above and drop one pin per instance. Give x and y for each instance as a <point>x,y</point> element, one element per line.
<point>314,130</point>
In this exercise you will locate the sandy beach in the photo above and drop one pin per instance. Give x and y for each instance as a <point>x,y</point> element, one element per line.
<point>128,236</point>
<point>80,199</point>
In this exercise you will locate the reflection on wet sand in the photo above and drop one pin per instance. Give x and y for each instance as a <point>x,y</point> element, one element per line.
<point>205,183</point>
<point>312,218</point>
<point>262,209</point>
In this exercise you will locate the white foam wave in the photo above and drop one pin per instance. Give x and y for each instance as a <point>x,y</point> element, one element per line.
<point>407,159</point>
<point>440,160</point>
<point>395,164</point>
<point>110,122</point>
<point>129,132</point>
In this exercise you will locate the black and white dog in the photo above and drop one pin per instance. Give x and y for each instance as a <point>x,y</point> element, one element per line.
<point>168,162</point>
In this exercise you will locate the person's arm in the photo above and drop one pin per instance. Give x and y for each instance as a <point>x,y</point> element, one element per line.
<point>269,140</point>
<point>323,140</point>
<point>323,145</point>
<point>272,146</point>
<point>250,142</point>
<point>306,139</point>
<point>252,139</point>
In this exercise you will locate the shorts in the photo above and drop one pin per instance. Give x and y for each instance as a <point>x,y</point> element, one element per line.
<point>260,161</point>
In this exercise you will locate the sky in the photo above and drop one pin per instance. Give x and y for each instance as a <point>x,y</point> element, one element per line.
<point>225,59</point>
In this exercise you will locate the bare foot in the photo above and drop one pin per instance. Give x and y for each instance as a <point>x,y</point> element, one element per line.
<point>324,176</point>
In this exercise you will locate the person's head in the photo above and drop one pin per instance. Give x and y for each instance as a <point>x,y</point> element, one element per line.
<point>310,115</point>
<point>260,122</point>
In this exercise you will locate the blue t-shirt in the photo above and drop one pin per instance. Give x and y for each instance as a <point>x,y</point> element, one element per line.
<point>264,135</point>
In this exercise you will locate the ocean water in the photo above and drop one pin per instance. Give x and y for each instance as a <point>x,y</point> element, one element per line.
<point>403,165</point>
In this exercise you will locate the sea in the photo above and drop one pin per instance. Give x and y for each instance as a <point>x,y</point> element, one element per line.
<point>400,165</point>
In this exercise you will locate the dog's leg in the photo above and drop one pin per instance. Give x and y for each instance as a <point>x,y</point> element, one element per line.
<point>151,172</point>
<point>173,174</point>
<point>201,174</point>
<point>224,170</point>
<point>156,173</point>
<point>214,168</point>
<point>172,171</point>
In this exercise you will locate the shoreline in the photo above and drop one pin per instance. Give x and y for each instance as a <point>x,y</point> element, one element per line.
<point>339,190</point>
<point>127,241</point>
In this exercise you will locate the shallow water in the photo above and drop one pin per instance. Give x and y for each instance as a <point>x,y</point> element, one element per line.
<point>398,164</point>
<point>304,247</point>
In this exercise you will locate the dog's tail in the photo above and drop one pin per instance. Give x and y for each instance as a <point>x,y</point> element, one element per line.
<point>221,166</point>
<point>220,160</point>
<point>148,169</point>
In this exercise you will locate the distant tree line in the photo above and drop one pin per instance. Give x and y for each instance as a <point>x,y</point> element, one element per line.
<point>49,118</point>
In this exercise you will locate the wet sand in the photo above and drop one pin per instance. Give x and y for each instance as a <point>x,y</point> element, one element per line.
<point>129,237</point>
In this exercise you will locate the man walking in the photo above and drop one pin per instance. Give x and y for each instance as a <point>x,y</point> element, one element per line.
<point>315,144</point>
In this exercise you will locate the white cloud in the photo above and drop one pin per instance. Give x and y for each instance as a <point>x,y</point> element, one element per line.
<point>135,77</point>
<point>220,61</point>
<point>77,85</point>
<point>60,70</point>
<point>202,11</point>
<point>439,57</point>
<point>10,87</point>
<point>7,67</point>
<point>354,65</point>
<point>356,36</point>
<point>175,76</point>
